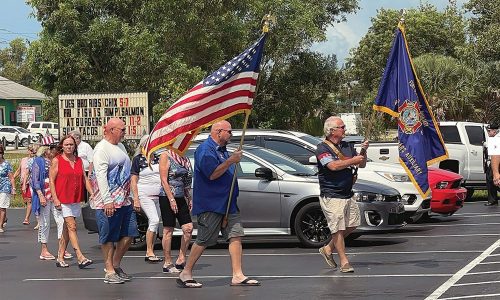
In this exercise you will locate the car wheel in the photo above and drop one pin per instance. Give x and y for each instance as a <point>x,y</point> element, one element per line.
<point>311,227</point>
<point>470,192</point>
<point>139,242</point>
<point>24,142</point>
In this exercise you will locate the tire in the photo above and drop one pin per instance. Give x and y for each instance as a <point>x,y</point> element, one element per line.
<point>311,227</point>
<point>470,192</point>
<point>139,243</point>
<point>24,142</point>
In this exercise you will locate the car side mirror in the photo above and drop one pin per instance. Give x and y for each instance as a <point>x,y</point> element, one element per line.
<point>313,160</point>
<point>264,173</point>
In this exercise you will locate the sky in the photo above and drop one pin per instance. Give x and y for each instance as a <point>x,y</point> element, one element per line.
<point>16,21</point>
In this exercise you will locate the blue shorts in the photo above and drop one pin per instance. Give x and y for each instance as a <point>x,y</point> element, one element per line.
<point>122,223</point>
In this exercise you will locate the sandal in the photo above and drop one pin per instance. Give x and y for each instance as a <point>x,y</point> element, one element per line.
<point>85,263</point>
<point>152,259</point>
<point>67,255</point>
<point>61,264</point>
<point>26,222</point>
<point>170,269</point>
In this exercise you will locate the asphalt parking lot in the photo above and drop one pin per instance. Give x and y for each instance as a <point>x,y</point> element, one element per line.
<point>444,258</point>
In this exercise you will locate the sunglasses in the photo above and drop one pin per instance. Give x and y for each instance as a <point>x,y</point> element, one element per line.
<point>228,131</point>
<point>341,127</point>
<point>122,129</point>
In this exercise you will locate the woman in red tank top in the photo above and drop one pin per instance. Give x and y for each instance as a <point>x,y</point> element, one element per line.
<point>67,182</point>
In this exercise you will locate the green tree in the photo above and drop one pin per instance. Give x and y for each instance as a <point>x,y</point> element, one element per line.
<point>483,54</point>
<point>427,31</point>
<point>447,83</point>
<point>165,46</point>
<point>13,62</point>
<point>294,97</point>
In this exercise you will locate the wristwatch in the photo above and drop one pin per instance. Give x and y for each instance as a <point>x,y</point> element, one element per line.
<point>172,200</point>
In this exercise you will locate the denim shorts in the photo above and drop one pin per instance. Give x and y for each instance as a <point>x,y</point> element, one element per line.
<point>209,226</point>
<point>121,224</point>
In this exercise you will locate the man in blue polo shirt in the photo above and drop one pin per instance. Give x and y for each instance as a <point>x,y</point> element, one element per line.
<point>213,173</point>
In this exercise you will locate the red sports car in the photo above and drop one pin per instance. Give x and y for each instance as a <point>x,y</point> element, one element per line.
<point>447,193</point>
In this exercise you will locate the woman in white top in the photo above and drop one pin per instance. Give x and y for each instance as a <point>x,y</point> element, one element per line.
<point>145,185</point>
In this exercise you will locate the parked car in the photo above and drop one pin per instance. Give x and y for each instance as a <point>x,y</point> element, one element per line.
<point>23,135</point>
<point>280,196</point>
<point>41,128</point>
<point>302,147</point>
<point>464,142</point>
<point>448,195</point>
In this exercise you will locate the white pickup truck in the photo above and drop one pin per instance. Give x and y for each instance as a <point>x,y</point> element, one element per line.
<point>465,144</point>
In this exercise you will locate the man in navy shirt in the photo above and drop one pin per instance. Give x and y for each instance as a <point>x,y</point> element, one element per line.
<point>336,162</point>
<point>213,174</point>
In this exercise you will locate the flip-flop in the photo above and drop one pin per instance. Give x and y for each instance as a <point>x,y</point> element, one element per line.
<point>152,259</point>
<point>47,257</point>
<point>85,263</point>
<point>190,283</point>
<point>61,264</point>
<point>246,282</point>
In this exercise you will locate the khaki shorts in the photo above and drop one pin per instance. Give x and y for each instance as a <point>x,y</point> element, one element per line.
<point>340,213</point>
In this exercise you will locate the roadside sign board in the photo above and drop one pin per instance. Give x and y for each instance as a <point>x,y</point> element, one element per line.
<point>88,113</point>
<point>25,114</point>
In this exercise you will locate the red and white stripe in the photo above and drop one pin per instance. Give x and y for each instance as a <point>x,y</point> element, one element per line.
<point>199,108</point>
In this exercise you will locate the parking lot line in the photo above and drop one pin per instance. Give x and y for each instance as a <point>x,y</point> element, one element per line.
<point>476,283</point>
<point>433,236</point>
<point>253,276</point>
<point>471,296</point>
<point>462,272</point>
<point>448,225</point>
<point>317,254</point>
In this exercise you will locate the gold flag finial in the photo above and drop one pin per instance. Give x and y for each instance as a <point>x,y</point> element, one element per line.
<point>268,21</point>
<point>402,12</point>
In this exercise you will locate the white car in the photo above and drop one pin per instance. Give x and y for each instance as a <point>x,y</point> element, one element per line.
<point>41,128</point>
<point>302,147</point>
<point>23,135</point>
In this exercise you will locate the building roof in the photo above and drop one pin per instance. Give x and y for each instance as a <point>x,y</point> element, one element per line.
<point>10,90</point>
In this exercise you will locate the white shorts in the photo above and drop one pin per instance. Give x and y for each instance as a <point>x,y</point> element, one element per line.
<point>4,200</point>
<point>71,210</point>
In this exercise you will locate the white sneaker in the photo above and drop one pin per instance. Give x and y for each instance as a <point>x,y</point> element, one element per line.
<point>1,230</point>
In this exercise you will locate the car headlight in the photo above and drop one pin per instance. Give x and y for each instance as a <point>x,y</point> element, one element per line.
<point>442,185</point>
<point>368,197</point>
<point>397,177</point>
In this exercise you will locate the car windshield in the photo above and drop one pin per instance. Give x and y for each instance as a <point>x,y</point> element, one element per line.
<point>281,161</point>
<point>22,130</point>
<point>311,139</point>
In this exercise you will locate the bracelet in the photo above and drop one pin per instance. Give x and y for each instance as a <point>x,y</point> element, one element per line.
<point>172,200</point>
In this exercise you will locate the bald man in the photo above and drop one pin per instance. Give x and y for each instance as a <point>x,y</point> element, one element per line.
<point>115,216</point>
<point>213,173</point>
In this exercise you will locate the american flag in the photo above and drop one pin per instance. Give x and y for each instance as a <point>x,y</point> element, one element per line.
<point>48,139</point>
<point>224,93</point>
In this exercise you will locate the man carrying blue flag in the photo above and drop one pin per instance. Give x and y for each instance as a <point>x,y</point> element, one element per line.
<point>401,96</point>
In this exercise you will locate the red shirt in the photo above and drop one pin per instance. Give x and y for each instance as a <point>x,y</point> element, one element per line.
<point>69,181</point>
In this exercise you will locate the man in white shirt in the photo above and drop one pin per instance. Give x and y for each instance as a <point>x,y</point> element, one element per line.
<point>115,216</point>
<point>493,132</point>
<point>85,151</point>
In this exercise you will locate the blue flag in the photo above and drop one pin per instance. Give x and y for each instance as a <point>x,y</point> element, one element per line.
<point>401,96</point>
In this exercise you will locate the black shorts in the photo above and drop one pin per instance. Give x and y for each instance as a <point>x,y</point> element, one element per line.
<point>168,217</point>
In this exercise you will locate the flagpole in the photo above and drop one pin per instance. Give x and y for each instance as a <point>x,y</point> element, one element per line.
<point>372,117</point>
<point>267,21</point>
